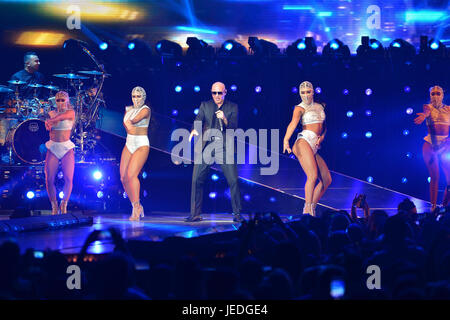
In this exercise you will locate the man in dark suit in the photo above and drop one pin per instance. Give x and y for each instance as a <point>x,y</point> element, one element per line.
<point>221,115</point>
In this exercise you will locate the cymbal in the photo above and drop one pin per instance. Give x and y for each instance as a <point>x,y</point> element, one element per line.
<point>94,73</point>
<point>35,85</point>
<point>72,76</point>
<point>5,89</point>
<point>16,82</point>
<point>50,87</point>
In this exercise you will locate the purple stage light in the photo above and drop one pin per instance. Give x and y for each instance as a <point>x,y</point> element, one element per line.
<point>369,92</point>
<point>212,195</point>
<point>318,90</point>
<point>407,89</point>
<point>233,87</point>
<point>294,90</point>
<point>258,89</point>
<point>368,113</point>
<point>409,111</point>
<point>345,92</point>
<point>175,112</point>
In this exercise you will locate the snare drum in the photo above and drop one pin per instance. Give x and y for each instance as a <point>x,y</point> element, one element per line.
<point>28,140</point>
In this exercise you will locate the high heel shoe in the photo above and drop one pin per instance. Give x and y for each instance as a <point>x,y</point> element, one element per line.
<point>138,212</point>
<point>55,208</point>
<point>63,206</point>
<point>313,209</point>
<point>307,208</point>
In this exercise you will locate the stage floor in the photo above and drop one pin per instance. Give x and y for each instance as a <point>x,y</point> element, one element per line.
<point>155,226</point>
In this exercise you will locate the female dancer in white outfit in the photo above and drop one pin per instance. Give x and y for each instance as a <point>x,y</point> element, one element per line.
<point>137,147</point>
<point>306,146</point>
<point>59,147</point>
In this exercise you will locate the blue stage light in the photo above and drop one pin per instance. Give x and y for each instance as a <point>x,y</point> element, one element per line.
<point>272,199</point>
<point>434,46</point>
<point>369,179</point>
<point>197,88</point>
<point>233,87</point>
<point>408,155</point>
<point>103,46</point>
<point>301,46</point>
<point>375,45</point>
<point>368,92</point>
<point>61,195</point>
<point>258,89</point>
<point>174,112</point>
<point>30,194</point>
<point>212,195</point>
<point>255,111</point>
<point>349,114</point>
<point>196,111</point>
<point>214,177</point>
<point>396,44</point>
<point>158,46</point>
<point>345,92</point>
<point>228,46</point>
<point>404,180</point>
<point>368,112</point>
<point>429,179</point>
<point>368,134</point>
<point>344,135</point>
<point>97,174</point>
<point>318,90</point>
<point>407,89</point>
<point>60,175</point>
<point>247,197</point>
<point>409,110</point>
<point>144,175</point>
<point>294,90</point>
<point>334,46</point>
<point>131,46</point>
<point>100,194</point>
<point>178,88</point>
<point>405,132</point>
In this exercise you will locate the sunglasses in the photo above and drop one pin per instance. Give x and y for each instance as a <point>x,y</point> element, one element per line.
<point>60,100</point>
<point>435,93</point>
<point>136,96</point>
<point>216,93</point>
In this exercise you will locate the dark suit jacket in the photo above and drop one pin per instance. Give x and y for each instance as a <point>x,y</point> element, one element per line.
<point>206,114</point>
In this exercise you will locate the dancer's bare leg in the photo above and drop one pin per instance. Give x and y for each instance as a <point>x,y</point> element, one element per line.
<point>68,167</point>
<point>124,161</point>
<point>51,167</point>
<point>137,161</point>
<point>305,155</point>
<point>324,180</point>
<point>432,163</point>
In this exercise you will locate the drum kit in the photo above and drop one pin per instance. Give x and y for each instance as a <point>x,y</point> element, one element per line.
<point>22,120</point>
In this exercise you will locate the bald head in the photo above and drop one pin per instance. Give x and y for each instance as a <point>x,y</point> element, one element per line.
<point>218,92</point>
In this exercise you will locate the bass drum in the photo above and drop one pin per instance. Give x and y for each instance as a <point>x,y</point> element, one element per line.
<point>28,139</point>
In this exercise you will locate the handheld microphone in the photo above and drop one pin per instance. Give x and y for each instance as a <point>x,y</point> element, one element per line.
<point>220,122</point>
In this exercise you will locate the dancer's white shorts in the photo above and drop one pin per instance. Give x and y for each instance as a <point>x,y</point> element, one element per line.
<point>59,149</point>
<point>311,137</point>
<point>135,142</point>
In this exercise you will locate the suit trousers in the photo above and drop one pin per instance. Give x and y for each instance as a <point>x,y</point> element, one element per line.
<point>199,176</point>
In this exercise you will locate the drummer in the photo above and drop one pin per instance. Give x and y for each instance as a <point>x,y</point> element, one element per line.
<point>59,147</point>
<point>30,75</point>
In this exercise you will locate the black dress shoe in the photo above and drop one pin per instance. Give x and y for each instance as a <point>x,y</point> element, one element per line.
<point>194,218</point>
<point>237,218</point>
